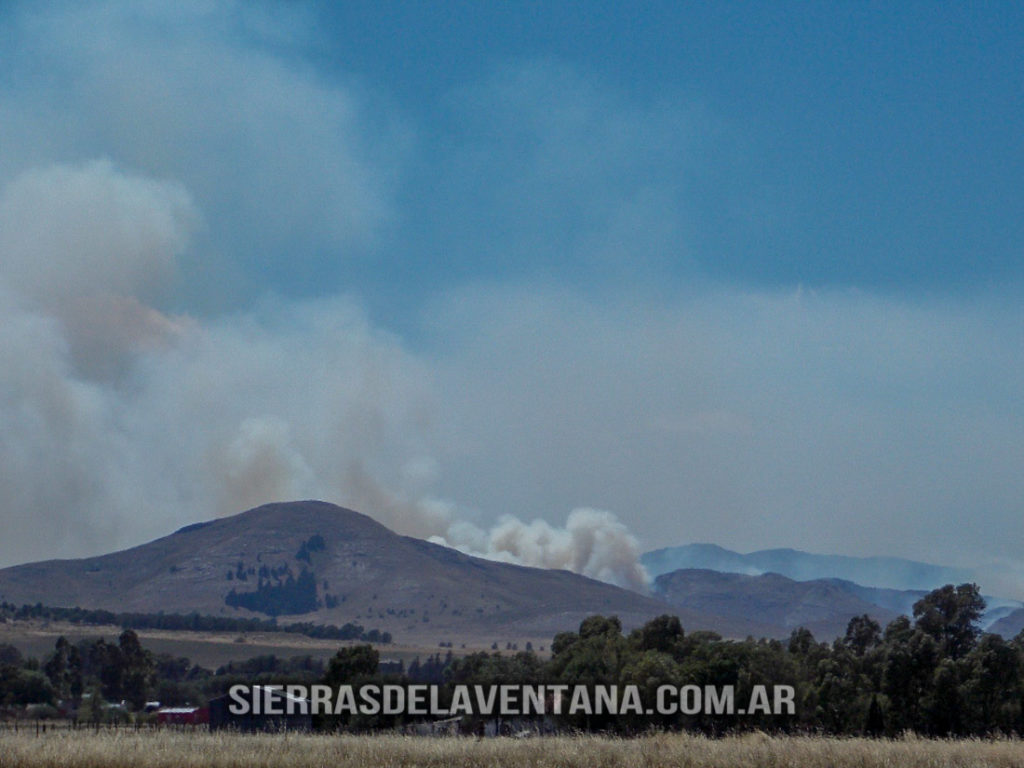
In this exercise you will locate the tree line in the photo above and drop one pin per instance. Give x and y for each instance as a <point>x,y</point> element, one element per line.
<point>934,673</point>
<point>100,680</point>
<point>193,622</point>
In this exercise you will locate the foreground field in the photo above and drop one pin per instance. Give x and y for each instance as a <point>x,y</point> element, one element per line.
<point>166,749</point>
<point>208,649</point>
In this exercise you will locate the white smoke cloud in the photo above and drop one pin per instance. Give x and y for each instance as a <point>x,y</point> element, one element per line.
<point>87,244</point>
<point>737,414</point>
<point>78,245</point>
<point>142,387</point>
<point>51,427</point>
<point>281,159</point>
<point>832,421</point>
<point>119,418</point>
<point>261,464</point>
<point>592,542</point>
<point>68,231</point>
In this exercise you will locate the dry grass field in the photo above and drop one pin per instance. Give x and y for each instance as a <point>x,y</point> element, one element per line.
<point>208,649</point>
<point>170,749</point>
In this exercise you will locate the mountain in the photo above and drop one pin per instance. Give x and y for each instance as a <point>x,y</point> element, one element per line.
<point>884,572</point>
<point>824,606</point>
<point>1009,625</point>
<point>313,561</point>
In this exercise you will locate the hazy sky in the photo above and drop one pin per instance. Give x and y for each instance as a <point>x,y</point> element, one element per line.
<point>730,272</point>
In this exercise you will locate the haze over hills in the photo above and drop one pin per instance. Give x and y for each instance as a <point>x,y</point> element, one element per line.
<point>885,572</point>
<point>313,561</point>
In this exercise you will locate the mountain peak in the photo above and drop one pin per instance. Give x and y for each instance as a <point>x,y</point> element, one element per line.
<point>292,518</point>
<point>323,564</point>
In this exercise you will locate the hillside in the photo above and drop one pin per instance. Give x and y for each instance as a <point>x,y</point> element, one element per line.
<point>313,561</point>
<point>1010,625</point>
<point>824,606</point>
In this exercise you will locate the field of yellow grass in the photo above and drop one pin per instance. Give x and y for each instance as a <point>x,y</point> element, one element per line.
<point>170,749</point>
<point>35,637</point>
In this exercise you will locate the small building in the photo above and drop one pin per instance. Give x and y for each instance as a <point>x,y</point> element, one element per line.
<point>183,715</point>
<point>266,708</point>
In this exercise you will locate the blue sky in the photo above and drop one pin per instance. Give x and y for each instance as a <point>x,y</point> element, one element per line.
<point>834,144</point>
<point>839,144</point>
<point>748,273</point>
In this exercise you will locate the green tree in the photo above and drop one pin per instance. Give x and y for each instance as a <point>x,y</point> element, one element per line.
<point>945,702</point>
<point>992,687</point>
<point>93,706</point>
<point>56,667</point>
<point>862,634</point>
<point>25,686</point>
<point>663,634</point>
<point>649,670</point>
<point>908,668</point>
<point>76,680</point>
<point>596,656</point>
<point>106,663</point>
<point>137,669</point>
<point>350,664</point>
<point>562,642</point>
<point>600,626</point>
<point>836,694</point>
<point>950,615</point>
<point>874,726</point>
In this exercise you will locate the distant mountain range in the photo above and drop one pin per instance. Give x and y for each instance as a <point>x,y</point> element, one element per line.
<point>823,606</point>
<point>885,572</point>
<point>890,585</point>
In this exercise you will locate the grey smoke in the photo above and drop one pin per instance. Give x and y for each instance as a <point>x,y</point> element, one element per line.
<point>592,542</point>
<point>781,419</point>
<point>143,385</point>
<point>121,421</point>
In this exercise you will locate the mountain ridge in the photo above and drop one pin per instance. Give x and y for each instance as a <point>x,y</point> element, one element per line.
<point>314,561</point>
<point>877,571</point>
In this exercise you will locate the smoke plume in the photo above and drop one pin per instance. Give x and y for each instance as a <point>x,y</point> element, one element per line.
<point>122,420</point>
<point>592,542</point>
<point>161,361</point>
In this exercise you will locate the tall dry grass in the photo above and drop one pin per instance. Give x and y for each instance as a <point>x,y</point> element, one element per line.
<point>167,749</point>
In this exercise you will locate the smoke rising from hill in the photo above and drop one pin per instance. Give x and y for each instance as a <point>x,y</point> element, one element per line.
<point>146,381</point>
<point>118,416</point>
<point>123,419</point>
<point>592,542</point>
